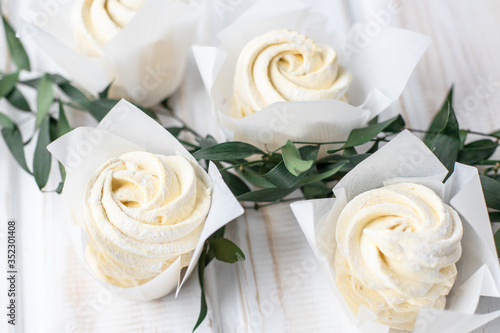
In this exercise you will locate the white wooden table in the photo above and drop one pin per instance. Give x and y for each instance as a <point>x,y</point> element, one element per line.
<point>279,288</point>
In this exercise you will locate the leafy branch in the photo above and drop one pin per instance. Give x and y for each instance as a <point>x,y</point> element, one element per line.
<point>269,177</point>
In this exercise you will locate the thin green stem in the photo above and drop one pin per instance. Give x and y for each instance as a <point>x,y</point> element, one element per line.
<point>318,143</point>
<point>256,205</point>
<point>184,124</point>
<point>417,130</point>
<point>269,153</point>
<point>482,134</point>
<point>488,162</point>
<point>334,142</point>
<point>468,131</point>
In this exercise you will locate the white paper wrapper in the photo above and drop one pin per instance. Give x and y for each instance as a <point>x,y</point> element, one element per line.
<point>406,158</point>
<point>381,66</point>
<point>145,61</point>
<point>126,129</point>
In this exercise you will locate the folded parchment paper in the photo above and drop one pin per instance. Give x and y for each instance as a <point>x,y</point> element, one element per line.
<point>125,129</point>
<point>406,158</point>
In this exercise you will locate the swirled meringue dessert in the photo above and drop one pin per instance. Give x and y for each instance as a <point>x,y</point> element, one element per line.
<point>284,65</point>
<point>143,211</point>
<point>396,252</point>
<point>98,21</point>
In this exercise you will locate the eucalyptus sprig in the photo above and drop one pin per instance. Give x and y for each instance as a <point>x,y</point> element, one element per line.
<point>296,166</point>
<point>254,175</point>
<point>268,177</point>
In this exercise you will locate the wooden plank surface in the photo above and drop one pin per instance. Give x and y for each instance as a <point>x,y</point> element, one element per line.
<point>279,288</point>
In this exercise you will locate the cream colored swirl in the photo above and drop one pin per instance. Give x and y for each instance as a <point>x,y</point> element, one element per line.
<point>396,252</point>
<point>98,21</point>
<point>284,65</point>
<point>142,212</point>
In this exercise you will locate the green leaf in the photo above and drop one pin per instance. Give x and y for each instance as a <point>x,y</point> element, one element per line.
<point>330,158</point>
<point>281,176</point>
<point>373,121</point>
<point>60,187</point>
<point>356,159</point>
<point>316,190</point>
<point>446,149</point>
<point>476,151</point>
<point>227,151</point>
<point>266,195</point>
<point>52,128</point>
<point>6,122</point>
<point>55,78</point>
<point>16,49</point>
<point>99,108</point>
<point>43,158</point>
<point>148,112</point>
<point>497,242</point>
<point>175,131</point>
<point>207,141</point>
<point>359,136</point>
<point>255,178</point>
<point>463,136</point>
<point>494,216</point>
<point>73,92</point>
<point>324,175</point>
<point>62,170</point>
<point>33,83</point>
<point>7,83</point>
<point>309,152</point>
<point>496,134</point>
<point>218,234</point>
<point>14,141</point>
<point>491,190</point>
<point>235,184</point>
<point>396,126</point>
<point>226,251</point>
<point>351,151</point>
<point>441,118</point>
<point>105,92</point>
<point>58,79</point>
<point>63,126</point>
<point>45,99</point>
<point>443,138</point>
<point>17,99</point>
<point>293,161</point>
<point>269,162</point>
<point>203,305</point>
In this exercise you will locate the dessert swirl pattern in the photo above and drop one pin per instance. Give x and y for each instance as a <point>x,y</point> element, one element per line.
<point>284,65</point>
<point>101,20</point>
<point>396,252</point>
<point>142,212</point>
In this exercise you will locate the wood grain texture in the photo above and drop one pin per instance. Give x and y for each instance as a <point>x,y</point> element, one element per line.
<point>279,288</point>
